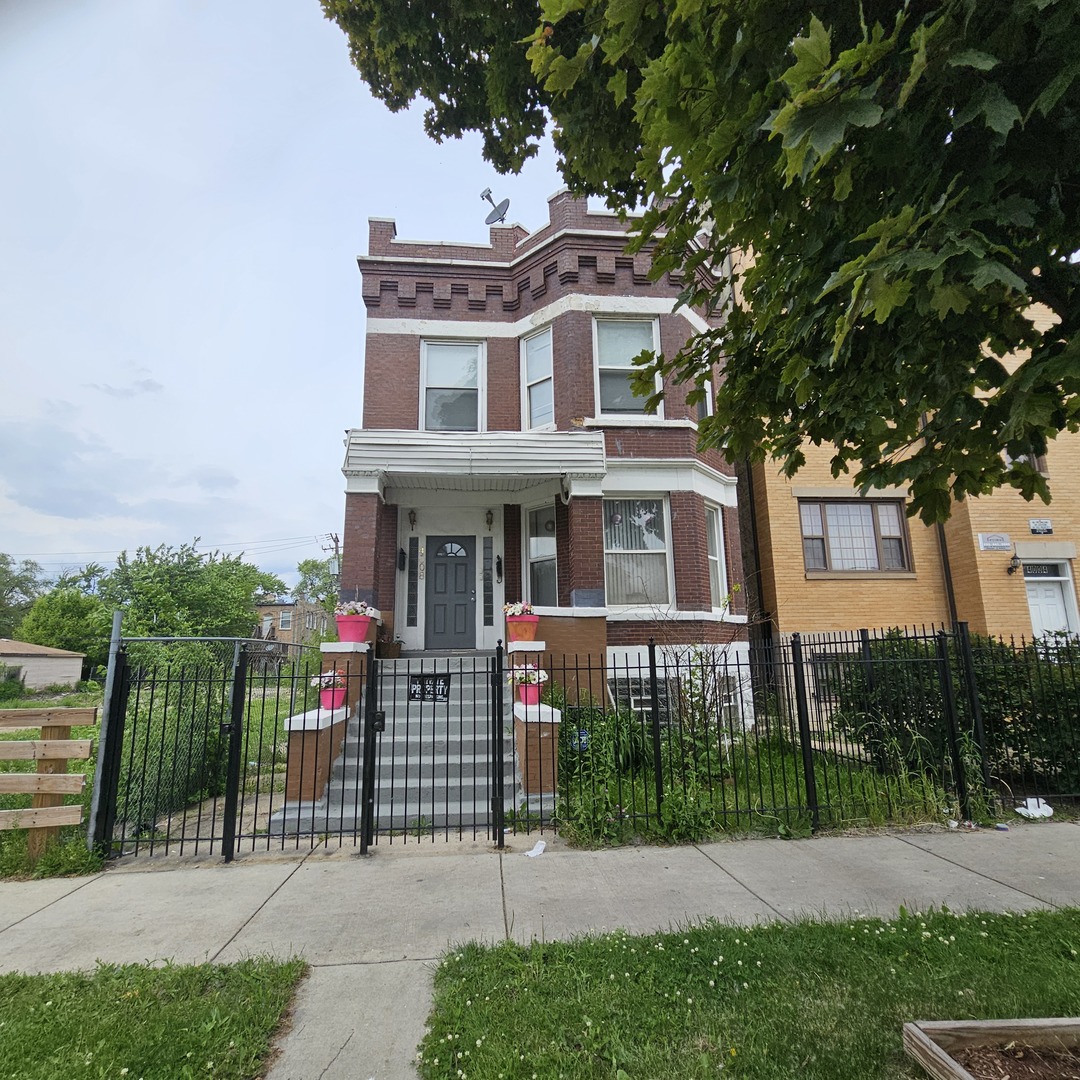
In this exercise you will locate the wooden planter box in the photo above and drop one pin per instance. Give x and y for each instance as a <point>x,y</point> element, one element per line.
<point>932,1042</point>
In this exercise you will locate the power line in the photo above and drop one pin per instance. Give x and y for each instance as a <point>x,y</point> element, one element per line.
<point>117,551</point>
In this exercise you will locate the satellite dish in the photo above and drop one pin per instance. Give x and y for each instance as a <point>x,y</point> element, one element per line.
<point>498,213</point>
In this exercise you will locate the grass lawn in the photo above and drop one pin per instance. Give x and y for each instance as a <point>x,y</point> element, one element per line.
<point>153,1023</point>
<point>811,1000</point>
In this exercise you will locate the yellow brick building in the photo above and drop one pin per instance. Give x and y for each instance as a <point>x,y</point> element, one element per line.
<point>829,559</point>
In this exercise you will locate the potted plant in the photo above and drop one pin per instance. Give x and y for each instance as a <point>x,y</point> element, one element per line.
<point>388,648</point>
<point>332,687</point>
<point>530,681</point>
<point>353,619</point>
<point>520,621</point>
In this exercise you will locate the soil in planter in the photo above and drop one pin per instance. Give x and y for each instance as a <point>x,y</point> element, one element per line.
<point>1015,1061</point>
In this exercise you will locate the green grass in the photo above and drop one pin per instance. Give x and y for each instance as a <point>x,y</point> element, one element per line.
<point>805,1001</point>
<point>138,1022</point>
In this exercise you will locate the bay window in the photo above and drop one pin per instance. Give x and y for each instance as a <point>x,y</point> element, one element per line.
<point>636,558</point>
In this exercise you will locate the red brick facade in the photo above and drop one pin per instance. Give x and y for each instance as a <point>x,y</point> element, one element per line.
<point>561,277</point>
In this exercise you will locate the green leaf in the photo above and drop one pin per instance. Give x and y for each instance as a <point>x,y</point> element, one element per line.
<point>946,298</point>
<point>972,58</point>
<point>813,54</point>
<point>990,270</point>
<point>617,86</point>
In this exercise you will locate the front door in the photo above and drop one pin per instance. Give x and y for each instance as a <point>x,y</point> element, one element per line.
<point>1046,602</point>
<point>450,621</point>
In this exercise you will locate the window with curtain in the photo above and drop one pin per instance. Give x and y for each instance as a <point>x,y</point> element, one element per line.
<point>714,546</point>
<point>861,534</point>
<point>451,391</point>
<point>618,341</point>
<point>636,552</point>
<point>539,396</point>
<point>540,552</point>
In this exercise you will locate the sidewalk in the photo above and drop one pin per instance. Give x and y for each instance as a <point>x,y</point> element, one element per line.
<point>373,928</point>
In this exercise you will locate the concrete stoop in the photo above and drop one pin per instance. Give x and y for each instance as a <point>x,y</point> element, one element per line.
<point>432,761</point>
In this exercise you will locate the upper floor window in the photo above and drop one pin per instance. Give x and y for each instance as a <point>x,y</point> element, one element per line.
<point>450,378</point>
<point>861,534</point>
<point>704,407</point>
<point>617,342</point>
<point>267,625</point>
<point>1036,461</point>
<point>636,562</point>
<point>541,556</point>
<point>714,545</point>
<point>539,399</point>
<point>285,620</point>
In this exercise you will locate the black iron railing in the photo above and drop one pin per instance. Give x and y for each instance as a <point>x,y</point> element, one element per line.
<point>219,746</point>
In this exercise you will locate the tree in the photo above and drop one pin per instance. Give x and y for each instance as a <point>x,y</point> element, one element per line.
<point>180,592</point>
<point>68,618</point>
<point>20,584</point>
<point>906,177</point>
<point>318,582</point>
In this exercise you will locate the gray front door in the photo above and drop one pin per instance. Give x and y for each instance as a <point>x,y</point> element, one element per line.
<point>451,593</point>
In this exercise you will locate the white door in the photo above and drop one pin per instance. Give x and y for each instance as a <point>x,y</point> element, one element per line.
<point>1046,601</point>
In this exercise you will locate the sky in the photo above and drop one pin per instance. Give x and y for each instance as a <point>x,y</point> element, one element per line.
<point>186,189</point>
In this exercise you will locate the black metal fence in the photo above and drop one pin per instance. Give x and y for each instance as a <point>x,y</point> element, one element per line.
<point>222,746</point>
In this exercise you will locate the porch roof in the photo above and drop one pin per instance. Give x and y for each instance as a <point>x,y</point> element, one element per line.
<point>473,461</point>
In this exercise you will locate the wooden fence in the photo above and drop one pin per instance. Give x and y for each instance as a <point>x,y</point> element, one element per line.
<point>50,783</point>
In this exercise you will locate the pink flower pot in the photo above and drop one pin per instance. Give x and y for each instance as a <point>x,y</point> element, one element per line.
<point>332,698</point>
<point>529,693</point>
<point>353,627</point>
<point>521,627</point>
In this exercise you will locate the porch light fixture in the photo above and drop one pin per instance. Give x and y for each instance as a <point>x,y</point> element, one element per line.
<point>1014,565</point>
<point>489,517</point>
<point>412,520</point>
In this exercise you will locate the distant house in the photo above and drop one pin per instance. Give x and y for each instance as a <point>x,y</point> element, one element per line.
<point>40,665</point>
<point>291,622</point>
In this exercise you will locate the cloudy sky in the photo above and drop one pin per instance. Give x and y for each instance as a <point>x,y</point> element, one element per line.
<point>186,188</point>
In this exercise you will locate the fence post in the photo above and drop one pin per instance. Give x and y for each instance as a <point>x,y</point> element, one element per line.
<point>868,660</point>
<point>498,793</point>
<point>102,823</point>
<point>235,728</point>
<point>967,657</point>
<point>802,710</point>
<point>654,703</point>
<point>367,775</point>
<point>948,701</point>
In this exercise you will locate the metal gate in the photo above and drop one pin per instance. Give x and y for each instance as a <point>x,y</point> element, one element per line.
<point>216,746</point>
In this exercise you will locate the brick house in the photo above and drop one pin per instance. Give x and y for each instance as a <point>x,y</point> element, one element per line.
<point>503,457</point>
<point>291,622</point>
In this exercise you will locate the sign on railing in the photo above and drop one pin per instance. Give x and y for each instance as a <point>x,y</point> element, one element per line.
<point>50,783</point>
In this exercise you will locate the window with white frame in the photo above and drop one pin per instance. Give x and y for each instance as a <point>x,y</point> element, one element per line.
<point>450,390</point>
<point>617,342</point>
<point>309,620</point>
<point>636,558</point>
<point>267,625</point>
<point>285,620</point>
<point>704,407</point>
<point>714,546</point>
<point>539,398</point>
<point>540,553</point>
<point>860,534</point>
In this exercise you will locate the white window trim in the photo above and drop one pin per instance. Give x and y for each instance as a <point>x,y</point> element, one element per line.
<point>721,554</point>
<point>526,577</point>
<point>481,381</point>
<point>525,384</point>
<point>628,418</point>
<point>285,620</point>
<point>629,609</point>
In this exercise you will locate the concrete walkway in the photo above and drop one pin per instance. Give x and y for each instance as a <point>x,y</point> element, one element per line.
<point>373,928</point>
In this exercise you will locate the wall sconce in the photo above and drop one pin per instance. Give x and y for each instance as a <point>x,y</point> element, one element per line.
<point>1014,565</point>
<point>412,521</point>
<point>498,568</point>
<point>489,517</point>
<point>402,559</point>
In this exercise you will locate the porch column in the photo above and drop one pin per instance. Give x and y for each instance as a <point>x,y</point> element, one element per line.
<point>369,555</point>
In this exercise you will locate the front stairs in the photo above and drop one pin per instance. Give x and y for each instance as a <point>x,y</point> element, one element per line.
<point>433,761</point>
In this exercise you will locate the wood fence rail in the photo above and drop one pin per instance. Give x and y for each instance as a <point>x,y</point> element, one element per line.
<point>50,783</point>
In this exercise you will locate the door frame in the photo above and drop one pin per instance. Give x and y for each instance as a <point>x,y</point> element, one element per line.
<point>448,513</point>
<point>1065,583</point>
<point>470,544</point>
